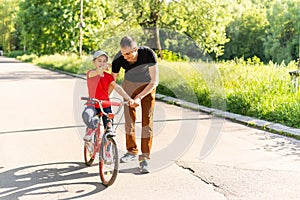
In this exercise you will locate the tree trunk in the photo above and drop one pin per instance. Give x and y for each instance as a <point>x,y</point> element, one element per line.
<point>157,40</point>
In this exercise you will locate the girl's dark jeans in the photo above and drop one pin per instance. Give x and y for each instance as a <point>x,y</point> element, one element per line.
<point>88,116</point>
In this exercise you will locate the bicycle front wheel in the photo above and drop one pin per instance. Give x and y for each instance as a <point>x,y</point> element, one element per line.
<point>108,161</point>
<point>89,154</point>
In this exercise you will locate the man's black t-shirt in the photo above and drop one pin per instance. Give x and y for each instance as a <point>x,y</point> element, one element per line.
<point>138,71</point>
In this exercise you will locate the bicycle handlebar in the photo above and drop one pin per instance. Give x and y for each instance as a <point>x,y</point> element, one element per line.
<point>106,103</point>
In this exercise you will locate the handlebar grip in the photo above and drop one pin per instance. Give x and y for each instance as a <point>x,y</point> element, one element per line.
<point>85,98</point>
<point>110,103</point>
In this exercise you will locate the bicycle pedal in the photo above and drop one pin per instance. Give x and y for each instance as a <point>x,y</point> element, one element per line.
<point>107,173</point>
<point>110,136</point>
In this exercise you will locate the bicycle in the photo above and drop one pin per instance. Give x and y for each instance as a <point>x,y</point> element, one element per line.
<point>104,144</point>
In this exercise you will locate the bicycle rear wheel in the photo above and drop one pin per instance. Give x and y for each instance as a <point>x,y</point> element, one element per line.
<point>108,161</point>
<point>89,155</point>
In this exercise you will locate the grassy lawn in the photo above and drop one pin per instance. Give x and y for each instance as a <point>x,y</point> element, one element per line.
<point>243,87</point>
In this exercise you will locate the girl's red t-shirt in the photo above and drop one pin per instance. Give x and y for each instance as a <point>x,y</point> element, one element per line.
<point>98,87</point>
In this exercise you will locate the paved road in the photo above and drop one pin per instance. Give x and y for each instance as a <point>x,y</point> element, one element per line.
<point>195,155</point>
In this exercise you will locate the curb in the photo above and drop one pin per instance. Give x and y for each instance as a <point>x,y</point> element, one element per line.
<point>248,121</point>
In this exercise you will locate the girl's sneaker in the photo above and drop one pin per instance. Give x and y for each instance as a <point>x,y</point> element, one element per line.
<point>88,135</point>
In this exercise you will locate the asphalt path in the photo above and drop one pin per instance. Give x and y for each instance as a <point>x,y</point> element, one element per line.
<point>195,155</point>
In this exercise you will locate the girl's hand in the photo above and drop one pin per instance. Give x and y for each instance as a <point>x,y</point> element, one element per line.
<point>108,66</point>
<point>99,71</point>
<point>137,102</point>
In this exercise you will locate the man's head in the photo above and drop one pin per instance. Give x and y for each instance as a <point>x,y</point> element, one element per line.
<point>129,49</point>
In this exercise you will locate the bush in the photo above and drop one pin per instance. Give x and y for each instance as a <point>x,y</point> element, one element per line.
<point>27,58</point>
<point>171,56</point>
<point>15,54</point>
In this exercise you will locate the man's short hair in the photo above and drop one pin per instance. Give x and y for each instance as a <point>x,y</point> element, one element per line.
<point>128,41</point>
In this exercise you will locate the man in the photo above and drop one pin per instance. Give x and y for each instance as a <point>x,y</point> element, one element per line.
<point>140,81</point>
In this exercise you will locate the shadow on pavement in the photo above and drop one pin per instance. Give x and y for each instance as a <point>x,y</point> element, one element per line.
<point>40,129</point>
<point>35,180</point>
<point>133,170</point>
<point>281,144</point>
<point>9,61</point>
<point>44,75</point>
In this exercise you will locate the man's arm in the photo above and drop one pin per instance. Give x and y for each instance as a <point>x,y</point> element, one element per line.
<point>153,71</point>
<point>115,75</point>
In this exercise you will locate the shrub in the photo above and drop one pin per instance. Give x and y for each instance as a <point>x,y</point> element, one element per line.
<point>27,58</point>
<point>171,56</point>
<point>15,54</point>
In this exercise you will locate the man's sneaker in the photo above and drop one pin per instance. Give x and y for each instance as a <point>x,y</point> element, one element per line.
<point>144,166</point>
<point>128,157</point>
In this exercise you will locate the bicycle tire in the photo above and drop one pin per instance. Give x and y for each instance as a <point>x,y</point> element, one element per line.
<point>108,167</point>
<point>88,153</point>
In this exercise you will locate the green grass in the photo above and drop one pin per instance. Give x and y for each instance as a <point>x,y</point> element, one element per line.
<point>257,90</point>
<point>262,91</point>
<point>69,62</point>
<point>248,88</point>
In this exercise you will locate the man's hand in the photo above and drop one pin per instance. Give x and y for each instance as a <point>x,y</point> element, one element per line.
<point>136,102</point>
<point>131,102</point>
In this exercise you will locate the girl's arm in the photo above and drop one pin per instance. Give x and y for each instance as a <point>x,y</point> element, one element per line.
<point>120,91</point>
<point>94,72</point>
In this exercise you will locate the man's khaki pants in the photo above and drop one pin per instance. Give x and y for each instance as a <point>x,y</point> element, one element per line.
<point>147,108</point>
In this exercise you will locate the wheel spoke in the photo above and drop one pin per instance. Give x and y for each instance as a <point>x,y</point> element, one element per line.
<point>109,163</point>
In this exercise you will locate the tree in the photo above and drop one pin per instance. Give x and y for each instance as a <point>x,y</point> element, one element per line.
<point>54,25</point>
<point>150,20</point>
<point>49,27</point>
<point>246,33</point>
<point>8,12</point>
<point>202,20</point>
<point>282,41</point>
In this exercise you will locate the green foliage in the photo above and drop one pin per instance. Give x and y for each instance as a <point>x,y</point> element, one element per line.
<point>254,61</point>
<point>52,25</point>
<point>8,12</point>
<point>268,29</point>
<point>257,90</point>
<point>68,62</point>
<point>171,56</point>
<point>282,42</point>
<point>27,58</point>
<point>261,91</point>
<point>246,34</point>
<point>162,89</point>
<point>14,54</point>
<point>204,21</point>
